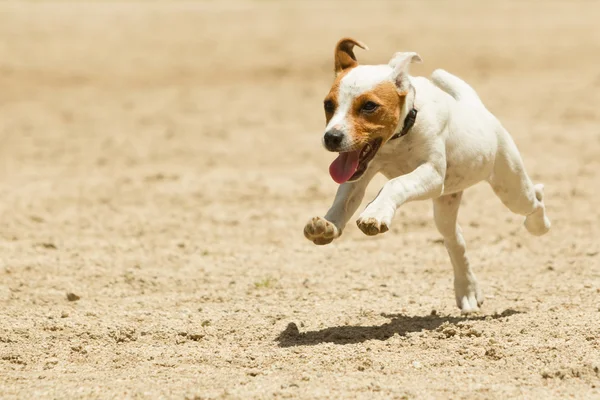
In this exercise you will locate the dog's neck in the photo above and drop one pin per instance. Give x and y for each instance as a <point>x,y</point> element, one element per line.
<point>409,112</point>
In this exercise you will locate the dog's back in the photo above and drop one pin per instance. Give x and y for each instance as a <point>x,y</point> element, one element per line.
<point>470,112</point>
<point>455,87</point>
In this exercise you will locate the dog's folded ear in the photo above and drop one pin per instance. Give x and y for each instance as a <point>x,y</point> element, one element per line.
<point>344,54</point>
<point>400,62</point>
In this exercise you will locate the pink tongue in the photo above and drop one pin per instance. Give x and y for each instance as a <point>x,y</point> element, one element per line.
<point>343,167</point>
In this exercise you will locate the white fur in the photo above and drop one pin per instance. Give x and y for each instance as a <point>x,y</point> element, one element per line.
<point>455,143</point>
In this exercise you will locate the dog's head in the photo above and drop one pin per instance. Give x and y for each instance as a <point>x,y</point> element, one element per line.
<point>363,108</point>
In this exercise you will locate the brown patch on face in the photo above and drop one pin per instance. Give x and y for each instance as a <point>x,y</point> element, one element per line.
<point>381,122</point>
<point>333,94</point>
<point>344,60</point>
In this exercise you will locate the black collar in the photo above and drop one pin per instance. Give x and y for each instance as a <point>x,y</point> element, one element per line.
<point>409,121</point>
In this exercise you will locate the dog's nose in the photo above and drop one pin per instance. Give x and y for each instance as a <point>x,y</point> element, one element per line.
<point>333,138</point>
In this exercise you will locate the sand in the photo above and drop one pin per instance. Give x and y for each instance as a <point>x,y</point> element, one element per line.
<point>159,161</point>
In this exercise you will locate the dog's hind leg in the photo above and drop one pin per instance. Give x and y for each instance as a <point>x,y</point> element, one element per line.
<point>466,288</point>
<point>512,185</point>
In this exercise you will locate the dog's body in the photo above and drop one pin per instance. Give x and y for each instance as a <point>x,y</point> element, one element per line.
<point>455,143</point>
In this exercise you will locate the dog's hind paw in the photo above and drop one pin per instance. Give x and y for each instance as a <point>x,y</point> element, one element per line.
<point>468,296</point>
<point>320,231</point>
<point>537,223</point>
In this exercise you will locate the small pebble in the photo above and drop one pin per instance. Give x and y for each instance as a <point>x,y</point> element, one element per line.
<point>72,297</point>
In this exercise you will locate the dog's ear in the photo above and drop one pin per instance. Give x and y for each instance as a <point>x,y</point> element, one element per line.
<point>399,63</point>
<point>344,54</point>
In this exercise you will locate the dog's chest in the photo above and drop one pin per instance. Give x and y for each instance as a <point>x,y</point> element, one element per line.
<point>396,159</point>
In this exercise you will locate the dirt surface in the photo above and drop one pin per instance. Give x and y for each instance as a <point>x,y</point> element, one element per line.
<point>159,161</point>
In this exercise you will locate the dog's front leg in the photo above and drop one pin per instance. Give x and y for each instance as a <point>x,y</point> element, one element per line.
<point>322,230</point>
<point>425,182</point>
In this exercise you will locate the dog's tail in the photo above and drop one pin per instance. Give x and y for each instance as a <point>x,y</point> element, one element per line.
<point>454,86</point>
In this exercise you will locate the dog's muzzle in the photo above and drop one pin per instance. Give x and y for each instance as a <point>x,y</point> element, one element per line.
<point>332,139</point>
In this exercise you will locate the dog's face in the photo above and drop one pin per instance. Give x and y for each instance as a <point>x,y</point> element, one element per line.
<point>363,110</point>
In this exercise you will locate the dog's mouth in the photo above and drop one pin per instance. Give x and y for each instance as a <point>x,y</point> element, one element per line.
<point>351,165</point>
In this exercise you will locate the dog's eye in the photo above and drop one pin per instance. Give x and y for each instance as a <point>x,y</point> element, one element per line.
<point>329,106</point>
<point>369,107</point>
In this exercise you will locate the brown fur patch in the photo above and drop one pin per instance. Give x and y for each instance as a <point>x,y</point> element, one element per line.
<point>382,122</point>
<point>343,56</point>
<point>334,93</point>
<point>344,61</point>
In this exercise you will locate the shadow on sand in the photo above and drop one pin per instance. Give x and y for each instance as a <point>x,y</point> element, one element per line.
<point>399,324</point>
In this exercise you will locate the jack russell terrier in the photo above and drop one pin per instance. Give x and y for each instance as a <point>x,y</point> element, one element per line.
<point>432,139</point>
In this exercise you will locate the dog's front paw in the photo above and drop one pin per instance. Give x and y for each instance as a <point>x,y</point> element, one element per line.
<point>320,231</point>
<point>372,226</point>
<point>376,218</point>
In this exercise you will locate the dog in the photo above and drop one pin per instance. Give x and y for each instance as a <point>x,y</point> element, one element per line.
<point>432,138</point>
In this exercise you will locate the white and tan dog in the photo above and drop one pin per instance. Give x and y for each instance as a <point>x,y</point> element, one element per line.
<point>432,139</point>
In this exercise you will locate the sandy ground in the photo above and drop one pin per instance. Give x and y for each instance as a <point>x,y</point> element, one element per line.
<point>159,162</point>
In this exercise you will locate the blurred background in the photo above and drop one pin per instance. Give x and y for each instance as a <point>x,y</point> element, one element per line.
<point>160,159</point>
